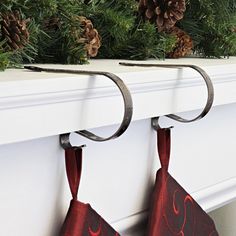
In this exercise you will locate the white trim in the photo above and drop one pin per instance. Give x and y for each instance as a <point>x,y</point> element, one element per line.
<point>209,199</point>
<point>33,93</point>
<point>217,195</point>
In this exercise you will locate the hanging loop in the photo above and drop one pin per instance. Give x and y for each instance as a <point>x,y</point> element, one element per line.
<point>128,104</point>
<point>205,76</point>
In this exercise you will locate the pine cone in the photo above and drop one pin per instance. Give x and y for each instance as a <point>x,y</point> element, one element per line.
<point>147,8</point>
<point>184,44</point>
<point>165,13</point>
<point>14,30</point>
<point>90,36</point>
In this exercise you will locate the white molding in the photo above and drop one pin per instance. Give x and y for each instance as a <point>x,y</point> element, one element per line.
<point>135,221</point>
<point>209,199</point>
<point>34,93</point>
<point>217,195</point>
<point>34,105</point>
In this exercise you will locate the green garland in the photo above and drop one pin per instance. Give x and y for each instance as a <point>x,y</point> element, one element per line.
<point>124,34</point>
<point>210,24</point>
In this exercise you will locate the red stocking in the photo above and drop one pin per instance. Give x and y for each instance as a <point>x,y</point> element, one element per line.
<point>173,212</point>
<point>81,219</point>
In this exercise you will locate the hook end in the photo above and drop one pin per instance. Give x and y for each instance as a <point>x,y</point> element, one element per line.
<point>155,123</point>
<point>65,141</point>
<point>33,68</point>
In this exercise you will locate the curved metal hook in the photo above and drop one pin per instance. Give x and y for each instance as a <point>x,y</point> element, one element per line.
<point>128,104</point>
<point>205,76</point>
<point>65,141</point>
<point>156,125</point>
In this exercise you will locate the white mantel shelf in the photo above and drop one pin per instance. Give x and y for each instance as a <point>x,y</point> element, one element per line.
<point>38,104</point>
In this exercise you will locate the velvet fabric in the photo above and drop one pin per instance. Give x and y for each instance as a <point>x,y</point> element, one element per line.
<point>173,212</point>
<point>81,218</point>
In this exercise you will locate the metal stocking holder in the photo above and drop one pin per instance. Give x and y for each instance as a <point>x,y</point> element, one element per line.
<point>128,104</point>
<point>207,80</point>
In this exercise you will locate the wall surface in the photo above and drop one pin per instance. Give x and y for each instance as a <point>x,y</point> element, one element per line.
<point>224,218</point>
<point>117,175</point>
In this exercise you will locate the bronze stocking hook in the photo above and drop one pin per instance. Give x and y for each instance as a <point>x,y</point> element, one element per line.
<point>207,80</point>
<point>128,104</point>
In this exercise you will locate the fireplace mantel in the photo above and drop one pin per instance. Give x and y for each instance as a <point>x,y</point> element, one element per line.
<point>35,107</point>
<point>39,104</point>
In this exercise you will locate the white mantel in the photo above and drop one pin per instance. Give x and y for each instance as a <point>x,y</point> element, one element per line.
<point>59,103</point>
<point>35,107</point>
